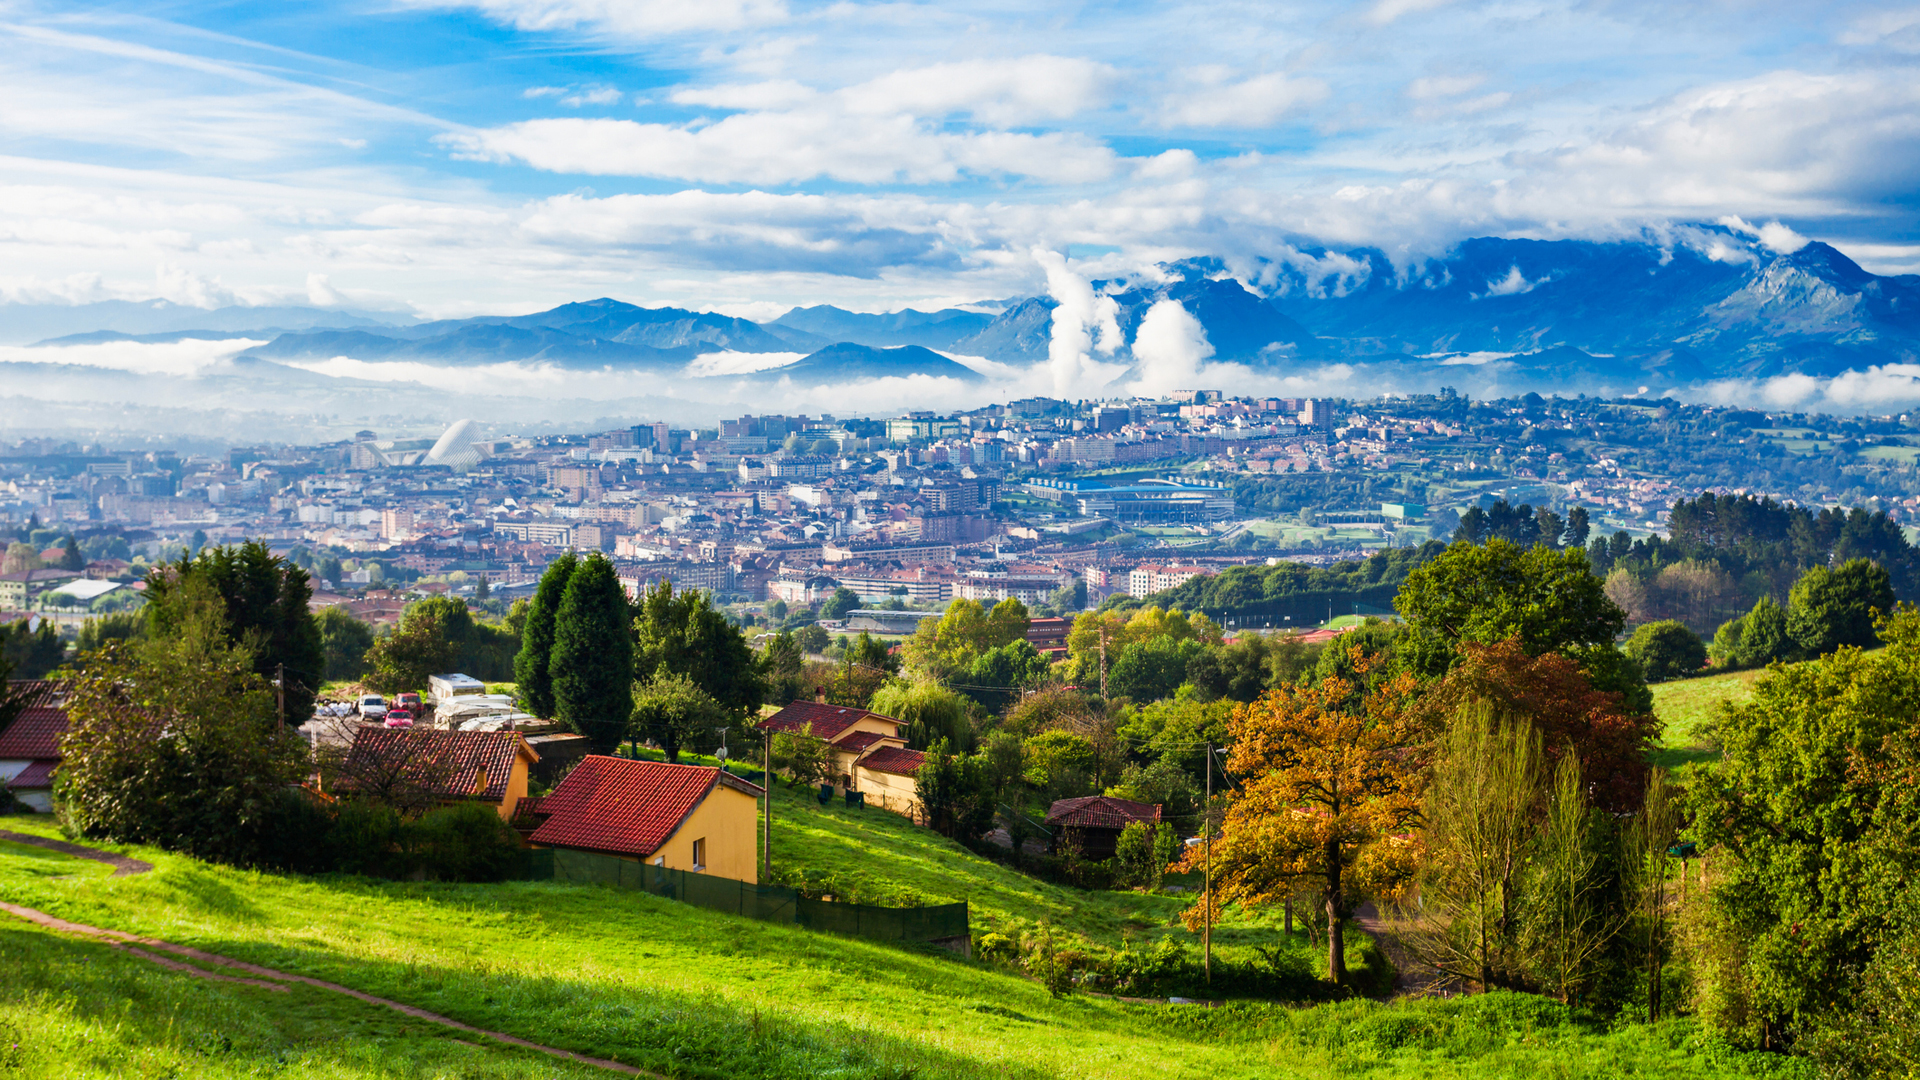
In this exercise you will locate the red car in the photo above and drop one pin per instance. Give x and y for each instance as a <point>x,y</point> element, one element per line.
<point>409,702</point>
<point>400,718</point>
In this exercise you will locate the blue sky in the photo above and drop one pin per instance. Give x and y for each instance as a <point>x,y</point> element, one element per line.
<point>450,158</point>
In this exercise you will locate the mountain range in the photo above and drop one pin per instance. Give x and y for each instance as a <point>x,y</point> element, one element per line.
<point>1712,304</point>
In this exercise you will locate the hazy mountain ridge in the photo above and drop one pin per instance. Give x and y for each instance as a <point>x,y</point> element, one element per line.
<point>1711,304</point>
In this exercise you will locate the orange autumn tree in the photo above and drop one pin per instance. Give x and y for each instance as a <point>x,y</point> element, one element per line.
<point>1330,779</point>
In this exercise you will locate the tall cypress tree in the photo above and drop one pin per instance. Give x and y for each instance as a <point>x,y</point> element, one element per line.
<point>531,669</point>
<point>592,664</point>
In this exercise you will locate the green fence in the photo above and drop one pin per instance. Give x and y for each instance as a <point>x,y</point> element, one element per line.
<point>773,903</point>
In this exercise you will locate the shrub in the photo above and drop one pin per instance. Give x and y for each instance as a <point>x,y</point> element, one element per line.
<point>1667,650</point>
<point>466,841</point>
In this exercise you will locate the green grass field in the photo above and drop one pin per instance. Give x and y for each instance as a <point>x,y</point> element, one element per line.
<point>1687,708</point>
<point>695,993</point>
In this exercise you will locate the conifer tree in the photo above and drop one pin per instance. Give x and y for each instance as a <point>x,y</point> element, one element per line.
<point>592,660</point>
<point>531,671</point>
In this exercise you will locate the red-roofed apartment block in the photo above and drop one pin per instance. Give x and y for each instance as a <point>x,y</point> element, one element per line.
<point>682,817</point>
<point>30,745</point>
<point>870,752</point>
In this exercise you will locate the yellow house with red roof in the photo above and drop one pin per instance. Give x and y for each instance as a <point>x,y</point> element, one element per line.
<point>869,750</point>
<point>683,817</point>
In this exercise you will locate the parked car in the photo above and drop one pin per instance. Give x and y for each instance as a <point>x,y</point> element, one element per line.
<point>399,718</point>
<point>410,702</point>
<point>372,706</point>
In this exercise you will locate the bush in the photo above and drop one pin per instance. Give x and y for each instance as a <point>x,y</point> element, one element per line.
<point>1667,650</point>
<point>463,842</point>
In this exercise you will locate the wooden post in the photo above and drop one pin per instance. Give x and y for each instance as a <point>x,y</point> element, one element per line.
<point>766,838</point>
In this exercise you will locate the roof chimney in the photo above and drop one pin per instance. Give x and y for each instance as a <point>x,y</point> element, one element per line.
<point>820,694</point>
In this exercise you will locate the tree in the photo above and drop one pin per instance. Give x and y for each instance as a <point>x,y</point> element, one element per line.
<point>1667,650</point>
<point>1807,861</point>
<point>20,556</point>
<point>1477,841</point>
<point>813,638</point>
<point>70,557</point>
<point>683,631</point>
<point>1569,924</point>
<point>1578,528</point>
<point>1062,765</point>
<point>593,655</point>
<point>1151,670</point>
<point>532,669</point>
<point>1569,711</point>
<point>955,793</point>
<point>1755,639</point>
<point>118,626</point>
<point>930,713</point>
<point>32,653</point>
<point>422,646</point>
<point>1831,608</point>
<point>1330,777</point>
<point>842,601</point>
<point>674,712</point>
<point>803,757</point>
<point>266,612</point>
<point>941,647</point>
<point>1550,600</point>
<point>345,641</point>
<point>783,669</point>
<point>175,740</point>
<point>482,590</point>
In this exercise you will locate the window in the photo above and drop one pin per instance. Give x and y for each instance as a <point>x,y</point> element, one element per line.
<point>700,854</point>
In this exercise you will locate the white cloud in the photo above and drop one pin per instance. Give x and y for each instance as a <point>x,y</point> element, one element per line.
<point>537,92</point>
<point>593,95</point>
<point>1082,324</point>
<point>771,94</point>
<point>1386,11</point>
<point>1429,87</point>
<point>1514,284</point>
<point>1168,349</point>
<point>780,148</point>
<point>1248,103</point>
<point>997,92</point>
<point>636,19</point>
<point>1773,235</point>
<point>738,363</point>
<point>183,286</point>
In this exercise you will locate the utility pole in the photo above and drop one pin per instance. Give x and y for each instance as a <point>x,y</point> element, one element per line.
<point>280,690</point>
<point>1206,822</point>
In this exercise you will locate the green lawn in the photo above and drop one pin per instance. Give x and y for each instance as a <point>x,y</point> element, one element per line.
<point>695,993</point>
<point>1687,708</point>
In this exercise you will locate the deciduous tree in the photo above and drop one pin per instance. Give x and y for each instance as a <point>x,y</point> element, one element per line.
<point>683,631</point>
<point>1331,780</point>
<point>266,612</point>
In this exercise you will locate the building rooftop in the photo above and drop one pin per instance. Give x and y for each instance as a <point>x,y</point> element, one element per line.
<point>625,807</point>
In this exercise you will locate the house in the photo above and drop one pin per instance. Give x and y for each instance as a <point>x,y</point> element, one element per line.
<point>683,817</point>
<point>869,750</point>
<point>486,766</point>
<point>1094,822</point>
<point>30,745</point>
<point>21,586</point>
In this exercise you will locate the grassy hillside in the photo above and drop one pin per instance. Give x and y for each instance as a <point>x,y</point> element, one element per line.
<point>1687,708</point>
<point>673,988</point>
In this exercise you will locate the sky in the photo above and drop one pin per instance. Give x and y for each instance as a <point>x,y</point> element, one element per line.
<point>443,158</point>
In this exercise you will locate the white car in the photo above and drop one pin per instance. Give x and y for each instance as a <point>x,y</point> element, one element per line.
<point>373,706</point>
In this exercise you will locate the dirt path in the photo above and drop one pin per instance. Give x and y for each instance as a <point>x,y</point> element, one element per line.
<point>1412,978</point>
<point>122,865</point>
<point>265,978</point>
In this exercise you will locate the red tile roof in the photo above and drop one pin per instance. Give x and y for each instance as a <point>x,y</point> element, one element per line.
<point>855,742</point>
<point>893,759</point>
<point>43,693</point>
<point>625,807</point>
<point>35,777</point>
<point>828,721</point>
<point>1101,812</point>
<point>35,733</point>
<point>450,763</point>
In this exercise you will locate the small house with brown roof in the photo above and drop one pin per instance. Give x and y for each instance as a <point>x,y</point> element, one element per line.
<point>869,750</point>
<point>30,745</point>
<point>683,817</point>
<point>485,766</point>
<point>1094,822</point>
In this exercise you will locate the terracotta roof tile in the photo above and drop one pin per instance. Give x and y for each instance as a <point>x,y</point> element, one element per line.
<point>893,759</point>
<point>35,776</point>
<point>828,721</point>
<point>450,763</point>
<point>625,807</point>
<point>34,734</point>
<point>1101,812</point>
<point>855,742</point>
